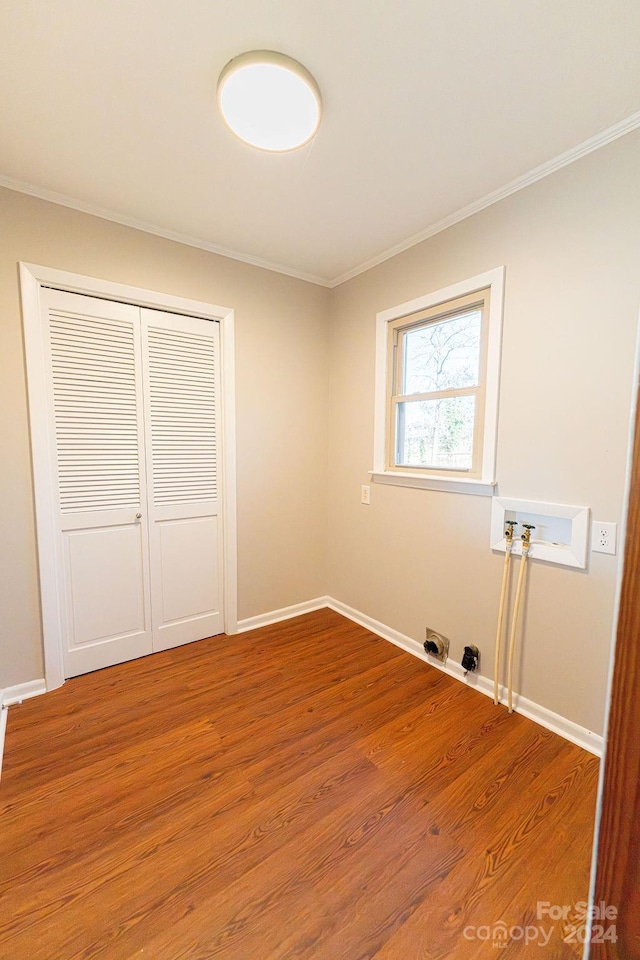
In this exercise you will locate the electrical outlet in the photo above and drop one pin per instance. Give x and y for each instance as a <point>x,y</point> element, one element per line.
<point>365,493</point>
<point>603,537</point>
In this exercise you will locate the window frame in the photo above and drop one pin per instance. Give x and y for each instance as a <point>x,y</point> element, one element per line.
<point>397,350</point>
<point>481,479</point>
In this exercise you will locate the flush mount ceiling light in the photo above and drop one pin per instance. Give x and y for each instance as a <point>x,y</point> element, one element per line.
<point>269,100</point>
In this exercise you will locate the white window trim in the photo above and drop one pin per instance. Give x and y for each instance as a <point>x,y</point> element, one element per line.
<point>486,483</point>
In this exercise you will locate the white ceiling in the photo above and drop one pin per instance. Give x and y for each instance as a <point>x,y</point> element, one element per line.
<point>430,105</point>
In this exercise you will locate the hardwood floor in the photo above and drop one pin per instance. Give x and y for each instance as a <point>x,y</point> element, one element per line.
<point>303,790</point>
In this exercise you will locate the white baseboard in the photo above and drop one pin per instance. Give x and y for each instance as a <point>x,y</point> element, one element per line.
<point>584,738</point>
<point>16,694</point>
<point>3,730</point>
<point>571,731</point>
<point>285,613</point>
<point>528,708</point>
<point>22,691</point>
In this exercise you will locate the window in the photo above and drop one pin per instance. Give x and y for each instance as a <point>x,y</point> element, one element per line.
<point>437,388</point>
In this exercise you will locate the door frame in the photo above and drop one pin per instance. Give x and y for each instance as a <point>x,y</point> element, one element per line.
<point>616,855</point>
<point>615,864</point>
<point>33,277</point>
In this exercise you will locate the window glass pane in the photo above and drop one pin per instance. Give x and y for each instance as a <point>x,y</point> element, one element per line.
<point>443,355</point>
<point>436,433</point>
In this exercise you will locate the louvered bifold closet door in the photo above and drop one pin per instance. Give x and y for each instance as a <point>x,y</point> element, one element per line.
<point>180,356</point>
<point>96,423</point>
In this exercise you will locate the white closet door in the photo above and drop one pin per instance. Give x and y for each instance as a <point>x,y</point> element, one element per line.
<point>96,428</point>
<point>181,374</point>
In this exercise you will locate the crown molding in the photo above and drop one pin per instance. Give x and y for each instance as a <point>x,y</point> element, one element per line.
<point>20,186</point>
<point>514,186</point>
<point>594,143</point>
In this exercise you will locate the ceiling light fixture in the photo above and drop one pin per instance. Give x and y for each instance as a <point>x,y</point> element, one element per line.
<point>269,100</point>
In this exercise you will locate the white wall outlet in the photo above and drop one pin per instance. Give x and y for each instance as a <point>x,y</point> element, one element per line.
<point>603,537</point>
<point>365,493</point>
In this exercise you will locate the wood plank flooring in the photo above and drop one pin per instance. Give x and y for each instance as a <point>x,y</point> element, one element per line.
<point>305,790</point>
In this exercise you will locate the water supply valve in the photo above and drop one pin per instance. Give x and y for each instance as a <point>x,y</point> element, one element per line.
<point>508,534</point>
<point>528,527</point>
<point>526,537</point>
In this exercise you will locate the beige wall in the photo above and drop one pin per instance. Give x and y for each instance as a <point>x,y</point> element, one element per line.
<point>571,245</point>
<point>282,382</point>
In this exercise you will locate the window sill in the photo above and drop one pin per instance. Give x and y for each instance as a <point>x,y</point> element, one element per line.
<point>478,488</point>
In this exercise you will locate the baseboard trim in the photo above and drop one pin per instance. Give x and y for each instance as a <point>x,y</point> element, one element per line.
<point>22,691</point>
<point>285,613</point>
<point>571,731</point>
<point>3,730</point>
<point>581,736</point>
<point>16,694</point>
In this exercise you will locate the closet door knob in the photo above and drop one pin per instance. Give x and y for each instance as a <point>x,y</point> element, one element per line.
<point>138,516</point>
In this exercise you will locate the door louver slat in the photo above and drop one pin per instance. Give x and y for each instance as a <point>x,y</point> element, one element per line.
<point>182,374</point>
<point>95,411</point>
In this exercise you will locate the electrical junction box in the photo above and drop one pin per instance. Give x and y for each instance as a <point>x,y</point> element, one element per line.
<point>561,531</point>
<point>436,645</point>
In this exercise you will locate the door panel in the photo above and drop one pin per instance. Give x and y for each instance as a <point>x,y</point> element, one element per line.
<point>104,595</point>
<point>180,359</point>
<point>188,560</point>
<point>94,382</point>
<point>97,435</point>
<point>180,356</point>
